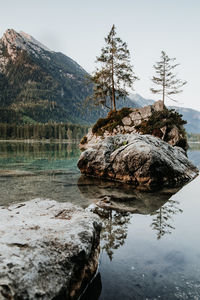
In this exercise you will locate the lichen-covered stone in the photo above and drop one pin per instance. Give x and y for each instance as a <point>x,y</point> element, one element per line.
<point>127,121</point>
<point>158,105</point>
<point>135,115</point>
<point>47,250</point>
<point>174,136</point>
<point>142,160</point>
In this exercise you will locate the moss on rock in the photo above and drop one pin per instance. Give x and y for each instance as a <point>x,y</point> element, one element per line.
<point>113,119</point>
<point>168,119</point>
<point>83,140</point>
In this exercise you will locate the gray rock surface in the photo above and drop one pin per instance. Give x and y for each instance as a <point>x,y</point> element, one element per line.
<point>47,250</point>
<point>142,160</point>
<point>136,116</point>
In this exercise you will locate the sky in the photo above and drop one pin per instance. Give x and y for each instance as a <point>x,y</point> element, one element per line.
<point>77,28</point>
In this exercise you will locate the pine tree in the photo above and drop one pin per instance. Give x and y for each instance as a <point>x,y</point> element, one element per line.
<point>165,78</point>
<point>115,74</point>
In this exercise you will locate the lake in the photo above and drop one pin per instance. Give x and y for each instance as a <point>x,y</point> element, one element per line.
<point>152,253</point>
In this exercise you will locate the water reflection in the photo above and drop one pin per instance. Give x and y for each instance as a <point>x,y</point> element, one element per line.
<point>194,146</point>
<point>134,264</point>
<point>39,170</point>
<point>115,204</point>
<point>193,153</point>
<point>114,231</point>
<point>163,218</point>
<point>122,197</point>
<point>27,155</point>
<point>94,289</point>
<point>115,225</point>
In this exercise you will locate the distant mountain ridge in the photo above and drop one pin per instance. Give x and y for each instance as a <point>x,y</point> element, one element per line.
<point>192,117</point>
<point>140,101</point>
<point>37,84</point>
<point>40,85</point>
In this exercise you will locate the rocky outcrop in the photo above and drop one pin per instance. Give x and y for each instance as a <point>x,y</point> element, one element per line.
<point>172,135</point>
<point>14,41</point>
<point>141,160</point>
<point>48,250</point>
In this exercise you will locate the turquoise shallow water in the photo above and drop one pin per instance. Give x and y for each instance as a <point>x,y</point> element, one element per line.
<point>36,170</point>
<point>151,254</point>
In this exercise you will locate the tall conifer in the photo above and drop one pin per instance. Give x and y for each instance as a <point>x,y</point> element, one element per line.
<point>115,73</point>
<point>165,78</point>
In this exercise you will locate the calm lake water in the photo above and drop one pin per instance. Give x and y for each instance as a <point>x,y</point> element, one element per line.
<point>153,253</point>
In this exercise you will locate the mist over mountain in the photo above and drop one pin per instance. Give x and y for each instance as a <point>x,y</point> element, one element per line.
<point>40,85</point>
<point>192,117</point>
<point>140,101</point>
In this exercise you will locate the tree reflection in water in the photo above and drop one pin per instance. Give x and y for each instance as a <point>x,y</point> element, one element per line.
<point>163,218</point>
<point>116,203</point>
<point>114,231</point>
<point>20,152</point>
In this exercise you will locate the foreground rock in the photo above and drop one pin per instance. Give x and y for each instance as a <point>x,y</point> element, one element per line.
<point>142,160</point>
<point>48,250</point>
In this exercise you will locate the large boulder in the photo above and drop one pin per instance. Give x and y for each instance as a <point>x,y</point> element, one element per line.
<point>48,250</point>
<point>142,160</point>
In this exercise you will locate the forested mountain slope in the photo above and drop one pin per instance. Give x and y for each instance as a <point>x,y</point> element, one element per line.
<point>39,84</point>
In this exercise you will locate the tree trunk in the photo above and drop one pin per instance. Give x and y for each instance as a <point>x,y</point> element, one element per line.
<point>164,74</point>
<point>113,94</point>
<point>163,97</point>
<point>113,83</point>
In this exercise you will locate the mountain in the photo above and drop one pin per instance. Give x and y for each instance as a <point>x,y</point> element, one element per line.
<point>40,85</point>
<point>37,84</point>
<point>139,101</point>
<point>192,117</point>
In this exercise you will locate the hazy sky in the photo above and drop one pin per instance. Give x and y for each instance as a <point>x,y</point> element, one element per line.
<point>78,27</point>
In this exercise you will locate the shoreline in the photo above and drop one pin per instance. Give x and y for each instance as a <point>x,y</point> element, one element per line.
<point>46,141</point>
<point>64,141</point>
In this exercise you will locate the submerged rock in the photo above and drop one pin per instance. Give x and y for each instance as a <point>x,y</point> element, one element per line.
<point>48,250</point>
<point>107,194</point>
<point>142,160</point>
